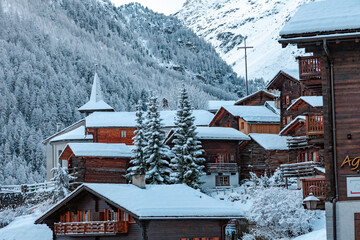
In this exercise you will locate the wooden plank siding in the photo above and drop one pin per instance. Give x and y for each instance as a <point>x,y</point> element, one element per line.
<point>257,99</point>
<point>99,169</point>
<point>254,158</point>
<point>346,59</point>
<point>112,135</point>
<point>225,119</point>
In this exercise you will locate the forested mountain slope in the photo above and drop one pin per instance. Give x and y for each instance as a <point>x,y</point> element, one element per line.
<point>48,52</point>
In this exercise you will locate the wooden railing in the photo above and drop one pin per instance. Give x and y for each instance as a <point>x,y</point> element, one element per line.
<point>301,169</point>
<point>314,185</point>
<point>221,167</point>
<point>45,186</point>
<point>96,228</point>
<point>309,67</point>
<point>315,124</point>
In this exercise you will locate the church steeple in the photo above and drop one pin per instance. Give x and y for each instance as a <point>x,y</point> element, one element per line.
<point>96,102</point>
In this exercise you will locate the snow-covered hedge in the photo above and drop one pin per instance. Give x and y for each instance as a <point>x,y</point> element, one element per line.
<point>8,215</point>
<point>278,213</point>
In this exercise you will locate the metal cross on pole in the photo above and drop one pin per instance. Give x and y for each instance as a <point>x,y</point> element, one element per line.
<point>246,75</point>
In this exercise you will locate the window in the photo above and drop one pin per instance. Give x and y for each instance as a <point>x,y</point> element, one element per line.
<point>227,125</point>
<point>287,99</point>
<point>284,120</point>
<point>220,158</point>
<point>289,119</point>
<point>123,134</point>
<point>222,181</point>
<point>232,157</point>
<point>242,126</point>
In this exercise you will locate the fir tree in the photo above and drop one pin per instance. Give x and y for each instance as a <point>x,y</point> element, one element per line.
<point>186,164</point>
<point>138,162</point>
<point>62,182</point>
<point>158,170</point>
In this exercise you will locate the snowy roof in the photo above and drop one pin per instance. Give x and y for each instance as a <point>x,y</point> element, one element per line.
<point>324,16</point>
<point>255,93</point>
<point>65,130</point>
<point>76,134</point>
<point>128,119</point>
<point>101,149</point>
<point>164,201</point>
<point>270,141</point>
<point>176,201</point>
<point>321,169</point>
<point>214,105</point>
<point>96,102</point>
<point>220,133</point>
<point>298,118</point>
<point>292,72</point>
<point>271,105</point>
<point>254,113</point>
<point>314,101</point>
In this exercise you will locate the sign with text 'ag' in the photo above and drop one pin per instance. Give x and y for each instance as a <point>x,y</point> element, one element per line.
<point>353,186</point>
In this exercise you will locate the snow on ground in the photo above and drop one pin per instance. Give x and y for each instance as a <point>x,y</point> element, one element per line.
<point>23,227</point>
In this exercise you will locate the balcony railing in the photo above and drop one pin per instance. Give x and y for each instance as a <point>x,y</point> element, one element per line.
<point>314,185</point>
<point>314,124</point>
<point>301,169</point>
<point>91,228</point>
<point>309,67</point>
<point>222,167</point>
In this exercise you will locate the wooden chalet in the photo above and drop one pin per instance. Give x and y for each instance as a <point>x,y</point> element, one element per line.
<point>247,119</point>
<point>333,37</point>
<point>125,211</point>
<point>119,127</point>
<point>264,153</point>
<point>221,154</point>
<point>257,99</point>
<point>97,162</point>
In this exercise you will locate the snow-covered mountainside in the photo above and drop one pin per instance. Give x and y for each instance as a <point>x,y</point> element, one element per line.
<point>225,23</point>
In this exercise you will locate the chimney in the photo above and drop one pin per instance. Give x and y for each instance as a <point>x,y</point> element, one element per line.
<point>139,180</point>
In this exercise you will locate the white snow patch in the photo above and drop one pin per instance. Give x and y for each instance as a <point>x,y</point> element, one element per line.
<point>253,113</point>
<point>23,227</point>
<point>314,101</point>
<point>270,141</point>
<point>221,133</point>
<point>324,16</point>
<point>214,105</point>
<point>76,134</point>
<point>101,149</point>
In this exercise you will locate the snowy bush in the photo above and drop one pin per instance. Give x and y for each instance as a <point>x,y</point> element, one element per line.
<point>278,213</point>
<point>62,182</point>
<point>8,215</point>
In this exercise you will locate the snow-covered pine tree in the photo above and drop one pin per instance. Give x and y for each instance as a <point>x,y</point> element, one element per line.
<point>158,170</point>
<point>62,182</point>
<point>138,162</point>
<point>187,163</point>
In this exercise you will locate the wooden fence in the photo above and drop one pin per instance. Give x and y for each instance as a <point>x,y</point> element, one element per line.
<point>24,188</point>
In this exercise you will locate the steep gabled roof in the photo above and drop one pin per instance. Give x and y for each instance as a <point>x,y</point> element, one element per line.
<point>256,94</point>
<point>258,114</point>
<point>318,18</point>
<point>176,201</point>
<point>65,130</point>
<point>314,101</point>
<point>293,124</point>
<point>96,102</point>
<point>75,134</point>
<point>278,80</point>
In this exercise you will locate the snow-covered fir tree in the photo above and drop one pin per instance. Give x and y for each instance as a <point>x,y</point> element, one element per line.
<point>158,170</point>
<point>62,182</point>
<point>138,162</point>
<point>187,163</point>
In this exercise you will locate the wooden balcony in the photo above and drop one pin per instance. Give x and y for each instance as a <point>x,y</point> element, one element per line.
<point>301,169</point>
<point>91,228</point>
<point>221,167</point>
<point>315,124</point>
<point>309,67</point>
<point>314,185</point>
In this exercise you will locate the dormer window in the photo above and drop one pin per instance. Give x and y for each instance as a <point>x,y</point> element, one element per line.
<point>123,134</point>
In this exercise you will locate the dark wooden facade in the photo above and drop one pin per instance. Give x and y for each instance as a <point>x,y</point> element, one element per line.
<point>112,135</point>
<point>254,158</point>
<point>89,169</point>
<point>225,119</point>
<point>256,99</point>
<point>87,215</point>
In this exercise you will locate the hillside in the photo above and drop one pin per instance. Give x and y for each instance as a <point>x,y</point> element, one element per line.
<point>48,50</point>
<point>225,23</point>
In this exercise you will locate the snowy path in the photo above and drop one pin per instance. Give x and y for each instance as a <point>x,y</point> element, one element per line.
<point>24,228</point>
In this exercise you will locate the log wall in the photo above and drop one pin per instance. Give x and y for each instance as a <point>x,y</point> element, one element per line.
<point>112,135</point>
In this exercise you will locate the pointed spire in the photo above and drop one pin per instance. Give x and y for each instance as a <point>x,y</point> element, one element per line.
<point>96,102</point>
<point>96,93</point>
